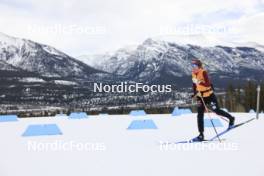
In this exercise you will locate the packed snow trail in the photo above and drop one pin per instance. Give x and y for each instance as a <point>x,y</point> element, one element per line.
<point>114,150</point>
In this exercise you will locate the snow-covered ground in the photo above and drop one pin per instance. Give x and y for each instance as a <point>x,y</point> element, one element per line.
<point>113,150</point>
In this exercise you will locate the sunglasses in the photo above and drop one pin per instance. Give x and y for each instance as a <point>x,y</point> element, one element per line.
<point>194,65</point>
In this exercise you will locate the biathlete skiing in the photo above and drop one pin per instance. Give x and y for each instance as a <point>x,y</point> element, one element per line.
<point>204,93</point>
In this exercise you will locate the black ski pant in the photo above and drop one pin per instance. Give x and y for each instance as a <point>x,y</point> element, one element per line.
<point>212,104</point>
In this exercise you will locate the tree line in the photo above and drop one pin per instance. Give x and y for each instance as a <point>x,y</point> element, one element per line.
<point>242,98</point>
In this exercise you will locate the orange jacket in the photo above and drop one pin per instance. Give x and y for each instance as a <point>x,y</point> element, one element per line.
<point>204,86</point>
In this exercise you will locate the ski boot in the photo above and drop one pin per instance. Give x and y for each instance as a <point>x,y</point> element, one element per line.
<point>199,138</point>
<point>231,122</point>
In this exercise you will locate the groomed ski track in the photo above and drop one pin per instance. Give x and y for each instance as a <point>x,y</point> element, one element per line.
<point>131,152</point>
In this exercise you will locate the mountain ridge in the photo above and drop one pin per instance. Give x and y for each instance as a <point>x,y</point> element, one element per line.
<point>157,61</point>
<point>43,59</point>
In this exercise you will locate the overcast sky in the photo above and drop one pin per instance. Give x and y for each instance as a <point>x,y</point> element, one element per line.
<point>80,27</point>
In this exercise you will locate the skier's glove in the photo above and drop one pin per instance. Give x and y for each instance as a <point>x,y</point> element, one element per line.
<point>198,94</point>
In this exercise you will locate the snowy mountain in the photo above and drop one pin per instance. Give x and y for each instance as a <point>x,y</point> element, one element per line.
<point>95,60</point>
<point>42,59</point>
<point>204,40</point>
<point>251,45</point>
<point>35,73</point>
<point>168,62</point>
<point>98,61</point>
<point>6,66</point>
<point>31,72</point>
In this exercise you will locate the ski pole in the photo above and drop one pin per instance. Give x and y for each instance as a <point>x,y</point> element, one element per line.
<point>222,117</point>
<point>211,120</point>
<point>258,97</point>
